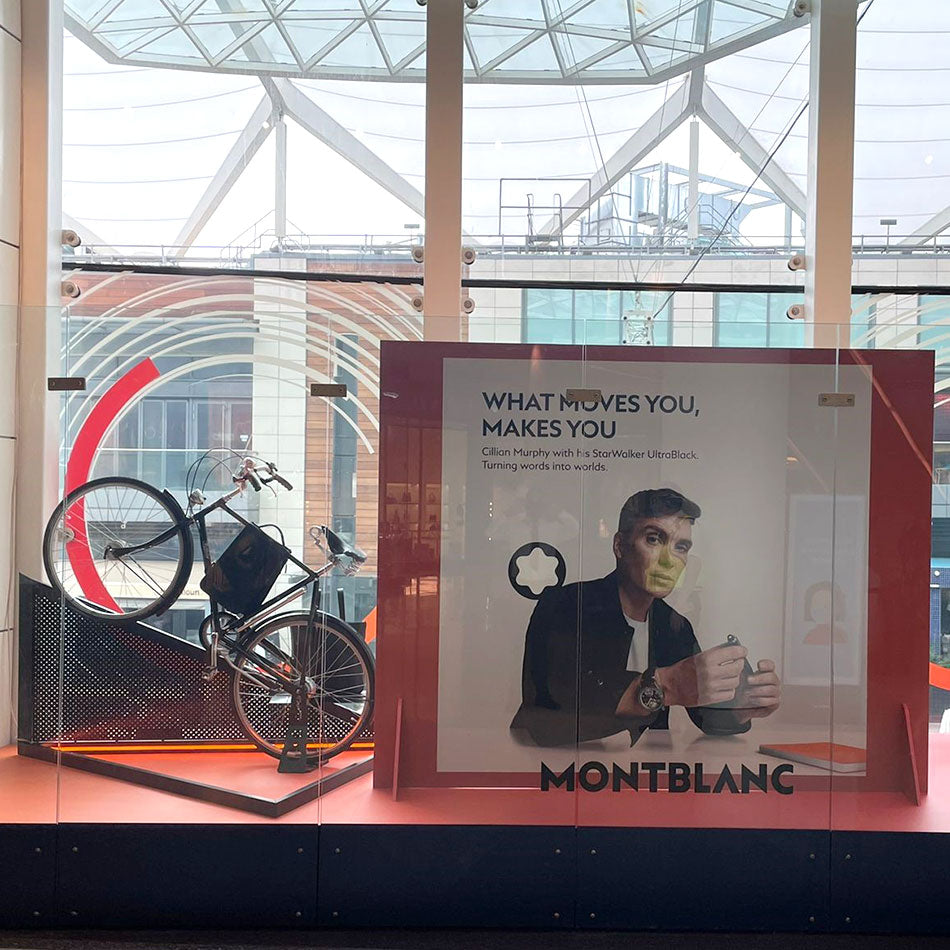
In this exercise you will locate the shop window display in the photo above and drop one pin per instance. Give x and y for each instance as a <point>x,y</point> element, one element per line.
<point>637,567</point>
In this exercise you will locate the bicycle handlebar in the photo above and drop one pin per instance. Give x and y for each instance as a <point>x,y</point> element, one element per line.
<point>280,481</point>
<point>249,472</point>
<point>256,483</point>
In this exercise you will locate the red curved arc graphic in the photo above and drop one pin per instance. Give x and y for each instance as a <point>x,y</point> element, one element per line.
<point>79,465</point>
<point>939,676</point>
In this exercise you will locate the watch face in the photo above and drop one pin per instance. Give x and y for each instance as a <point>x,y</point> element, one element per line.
<point>651,697</point>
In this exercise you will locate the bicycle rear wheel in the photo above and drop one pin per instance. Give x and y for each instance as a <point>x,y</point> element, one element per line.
<point>107,514</point>
<point>339,676</point>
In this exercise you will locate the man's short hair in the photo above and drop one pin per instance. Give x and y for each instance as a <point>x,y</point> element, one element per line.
<point>655,503</point>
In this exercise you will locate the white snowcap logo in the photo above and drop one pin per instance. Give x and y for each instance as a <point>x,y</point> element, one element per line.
<point>535,567</point>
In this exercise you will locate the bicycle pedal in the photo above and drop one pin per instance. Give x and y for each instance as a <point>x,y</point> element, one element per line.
<point>209,675</point>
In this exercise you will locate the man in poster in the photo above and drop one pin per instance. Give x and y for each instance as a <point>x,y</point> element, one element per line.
<point>610,655</point>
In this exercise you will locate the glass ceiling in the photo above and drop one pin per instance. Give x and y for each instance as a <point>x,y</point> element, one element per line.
<point>531,41</point>
<point>144,148</point>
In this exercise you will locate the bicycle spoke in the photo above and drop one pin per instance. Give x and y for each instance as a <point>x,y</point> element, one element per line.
<point>104,515</point>
<point>147,578</point>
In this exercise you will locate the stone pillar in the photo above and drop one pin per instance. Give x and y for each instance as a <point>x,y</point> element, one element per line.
<point>10,58</point>
<point>828,224</point>
<point>443,191</point>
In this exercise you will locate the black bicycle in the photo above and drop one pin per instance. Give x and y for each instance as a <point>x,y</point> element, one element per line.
<point>120,550</point>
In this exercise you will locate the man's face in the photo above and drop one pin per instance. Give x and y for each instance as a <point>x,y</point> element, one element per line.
<point>652,554</point>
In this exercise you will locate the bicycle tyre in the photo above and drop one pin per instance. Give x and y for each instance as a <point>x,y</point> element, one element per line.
<point>265,722</point>
<point>166,591</point>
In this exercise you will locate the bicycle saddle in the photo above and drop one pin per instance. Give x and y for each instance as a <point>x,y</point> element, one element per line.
<point>338,546</point>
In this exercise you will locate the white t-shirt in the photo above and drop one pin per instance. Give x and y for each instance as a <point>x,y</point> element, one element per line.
<point>638,658</point>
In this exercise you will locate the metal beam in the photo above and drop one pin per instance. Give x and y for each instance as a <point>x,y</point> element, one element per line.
<point>693,228</point>
<point>242,151</point>
<point>724,122</point>
<point>306,113</point>
<point>673,111</point>
<point>929,229</point>
<point>280,179</point>
<point>103,30</point>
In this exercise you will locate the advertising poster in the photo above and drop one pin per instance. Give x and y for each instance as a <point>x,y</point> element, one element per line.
<point>653,573</point>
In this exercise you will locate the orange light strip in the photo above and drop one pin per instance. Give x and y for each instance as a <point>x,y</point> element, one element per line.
<point>177,747</point>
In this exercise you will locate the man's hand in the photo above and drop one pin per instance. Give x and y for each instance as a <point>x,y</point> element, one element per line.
<point>703,679</point>
<point>762,694</point>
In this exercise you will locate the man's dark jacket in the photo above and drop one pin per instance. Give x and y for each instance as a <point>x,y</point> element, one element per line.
<point>571,685</point>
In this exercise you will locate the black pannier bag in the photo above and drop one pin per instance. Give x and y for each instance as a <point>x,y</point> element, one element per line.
<point>242,577</point>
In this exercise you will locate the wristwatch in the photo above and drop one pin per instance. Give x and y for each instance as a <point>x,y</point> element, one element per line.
<point>650,695</point>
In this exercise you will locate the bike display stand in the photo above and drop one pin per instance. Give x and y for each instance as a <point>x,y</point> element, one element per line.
<point>130,703</point>
<point>293,757</point>
<point>248,781</point>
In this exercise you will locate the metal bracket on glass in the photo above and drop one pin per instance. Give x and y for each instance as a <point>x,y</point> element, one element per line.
<point>328,389</point>
<point>583,395</point>
<point>59,384</point>
<point>836,400</point>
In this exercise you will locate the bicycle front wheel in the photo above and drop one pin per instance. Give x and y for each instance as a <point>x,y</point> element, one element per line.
<point>339,676</point>
<point>85,549</point>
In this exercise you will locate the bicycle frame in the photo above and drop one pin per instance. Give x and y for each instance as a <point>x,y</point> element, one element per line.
<point>268,608</point>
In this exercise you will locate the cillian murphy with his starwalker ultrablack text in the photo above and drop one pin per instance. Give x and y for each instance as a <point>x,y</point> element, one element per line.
<point>610,655</point>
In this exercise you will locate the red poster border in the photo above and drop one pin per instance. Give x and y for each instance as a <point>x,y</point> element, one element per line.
<point>899,552</point>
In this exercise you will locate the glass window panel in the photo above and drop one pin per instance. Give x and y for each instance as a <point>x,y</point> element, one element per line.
<point>174,43</point>
<point>728,21</point>
<point>741,319</point>
<point>597,316</point>
<point>176,442</point>
<point>935,312</point>
<point>127,429</point>
<point>515,9</point>
<point>863,319</point>
<point>240,424</point>
<point>153,429</point>
<point>790,333</point>
<point>548,316</point>
<point>575,47</point>
<point>214,37</point>
<point>491,41</point>
<point>176,412</point>
<point>359,50</point>
<point>401,37</point>
<point>538,55</point>
<point>782,331</point>
<point>126,436</point>
<point>153,441</point>
<point>138,10</point>
<point>603,13</point>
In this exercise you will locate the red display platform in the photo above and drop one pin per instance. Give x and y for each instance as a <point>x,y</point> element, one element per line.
<point>36,792</point>
<point>245,780</point>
